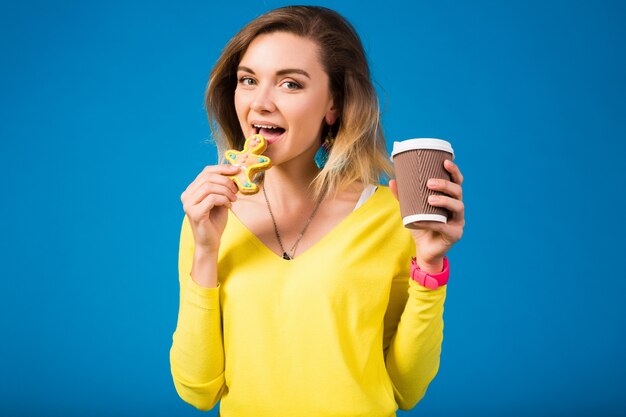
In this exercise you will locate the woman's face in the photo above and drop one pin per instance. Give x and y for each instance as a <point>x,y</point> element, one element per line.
<point>283,93</point>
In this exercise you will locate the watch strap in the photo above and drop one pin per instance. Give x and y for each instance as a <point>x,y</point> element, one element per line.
<point>429,280</point>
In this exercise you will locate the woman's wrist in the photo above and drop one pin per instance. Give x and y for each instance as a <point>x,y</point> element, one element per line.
<point>432,266</point>
<point>205,252</point>
<point>204,268</point>
<point>430,275</point>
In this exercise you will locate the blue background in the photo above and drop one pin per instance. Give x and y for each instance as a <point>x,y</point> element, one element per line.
<point>103,127</point>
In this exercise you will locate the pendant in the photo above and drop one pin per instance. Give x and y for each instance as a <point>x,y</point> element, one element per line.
<point>285,256</point>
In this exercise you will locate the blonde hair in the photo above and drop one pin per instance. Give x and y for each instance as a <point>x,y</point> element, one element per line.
<point>359,152</point>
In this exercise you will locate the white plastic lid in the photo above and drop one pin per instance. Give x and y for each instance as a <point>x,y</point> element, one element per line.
<point>421,143</point>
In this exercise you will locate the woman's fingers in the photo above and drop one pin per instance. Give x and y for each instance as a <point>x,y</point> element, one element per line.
<point>206,200</point>
<point>452,188</point>
<point>214,173</point>
<point>446,187</point>
<point>214,183</point>
<point>454,171</point>
<point>449,187</point>
<point>457,207</point>
<point>211,201</point>
<point>451,231</point>
<point>208,188</point>
<point>394,188</point>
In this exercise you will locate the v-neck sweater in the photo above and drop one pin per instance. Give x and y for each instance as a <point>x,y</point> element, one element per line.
<point>340,330</point>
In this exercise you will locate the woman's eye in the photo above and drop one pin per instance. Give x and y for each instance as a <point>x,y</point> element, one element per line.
<point>291,85</point>
<point>246,81</point>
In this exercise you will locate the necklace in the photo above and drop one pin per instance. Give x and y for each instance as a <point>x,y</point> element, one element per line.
<point>280,242</point>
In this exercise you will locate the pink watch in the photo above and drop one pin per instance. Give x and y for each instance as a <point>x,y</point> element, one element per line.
<point>431,281</point>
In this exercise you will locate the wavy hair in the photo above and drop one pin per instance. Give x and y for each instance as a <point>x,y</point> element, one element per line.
<point>359,152</point>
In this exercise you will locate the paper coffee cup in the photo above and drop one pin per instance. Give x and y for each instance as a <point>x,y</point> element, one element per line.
<point>415,162</point>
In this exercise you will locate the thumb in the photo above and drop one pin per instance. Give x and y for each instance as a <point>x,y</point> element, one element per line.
<point>394,188</point>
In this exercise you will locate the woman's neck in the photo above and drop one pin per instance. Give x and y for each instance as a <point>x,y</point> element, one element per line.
<point>288,185</point>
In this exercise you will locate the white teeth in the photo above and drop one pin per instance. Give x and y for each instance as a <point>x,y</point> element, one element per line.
<point>266,127</point>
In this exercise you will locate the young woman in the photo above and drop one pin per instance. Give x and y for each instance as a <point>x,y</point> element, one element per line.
<point>298,300</point>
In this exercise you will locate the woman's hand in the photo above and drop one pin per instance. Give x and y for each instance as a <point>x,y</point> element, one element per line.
<point>206,202</point>
<point>434,239</point>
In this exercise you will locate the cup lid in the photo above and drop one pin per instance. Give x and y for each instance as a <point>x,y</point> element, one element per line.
<point>421,143</point>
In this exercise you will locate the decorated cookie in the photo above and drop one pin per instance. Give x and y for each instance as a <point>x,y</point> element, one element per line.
<point>251,162</point>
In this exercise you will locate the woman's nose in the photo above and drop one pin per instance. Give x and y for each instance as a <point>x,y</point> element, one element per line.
<point>263,101</point>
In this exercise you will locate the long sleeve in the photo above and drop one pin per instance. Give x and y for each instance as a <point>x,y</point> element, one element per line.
<point>337,331</point>
<point>412,338</point>
<point>197,353</point>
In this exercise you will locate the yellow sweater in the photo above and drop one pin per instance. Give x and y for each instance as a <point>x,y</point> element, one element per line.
<point>341,330</point>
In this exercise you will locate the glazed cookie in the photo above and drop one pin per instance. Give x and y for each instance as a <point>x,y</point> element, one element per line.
<point>251,162</point>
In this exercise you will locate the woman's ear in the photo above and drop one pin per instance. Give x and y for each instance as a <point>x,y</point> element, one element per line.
<point>331,116</point>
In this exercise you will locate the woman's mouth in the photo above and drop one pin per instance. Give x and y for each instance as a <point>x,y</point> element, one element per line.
<point>270,133</point>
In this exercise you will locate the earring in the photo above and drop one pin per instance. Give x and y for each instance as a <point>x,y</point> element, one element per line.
<point>321,156</point>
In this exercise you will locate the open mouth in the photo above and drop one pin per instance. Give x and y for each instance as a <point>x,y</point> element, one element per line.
<point>270,133</point>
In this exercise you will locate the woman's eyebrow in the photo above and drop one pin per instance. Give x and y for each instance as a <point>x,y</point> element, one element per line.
<point>293,71</point>
<point>279,72</point>
<point>246,69</point>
